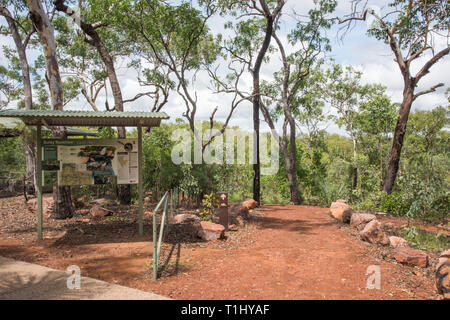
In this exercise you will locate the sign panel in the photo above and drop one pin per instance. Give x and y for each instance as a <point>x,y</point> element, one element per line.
<point>89,162</point>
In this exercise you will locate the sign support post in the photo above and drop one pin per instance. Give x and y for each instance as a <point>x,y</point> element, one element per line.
<point>140,178</point>
<point>223,209</point>
<point>39,178</point>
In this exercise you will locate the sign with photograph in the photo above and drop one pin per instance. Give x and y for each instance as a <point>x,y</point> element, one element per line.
<point>90,162</point>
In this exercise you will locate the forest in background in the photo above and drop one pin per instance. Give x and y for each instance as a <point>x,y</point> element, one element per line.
<point>390,160</point>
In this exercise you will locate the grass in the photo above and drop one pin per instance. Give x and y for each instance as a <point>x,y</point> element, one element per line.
<point>425,240</point>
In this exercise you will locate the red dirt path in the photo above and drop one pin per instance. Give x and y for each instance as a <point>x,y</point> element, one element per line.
<point>293,252</point>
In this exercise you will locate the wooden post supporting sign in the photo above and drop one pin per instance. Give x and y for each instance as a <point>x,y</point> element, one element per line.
<point>223,209</point>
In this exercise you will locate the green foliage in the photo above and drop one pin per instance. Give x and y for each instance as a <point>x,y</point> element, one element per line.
<point>209,203</point>
<point>424,240</point>
<point>393,203</point>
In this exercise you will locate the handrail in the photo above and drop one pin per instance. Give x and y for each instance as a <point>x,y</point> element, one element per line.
<point>157,245</point>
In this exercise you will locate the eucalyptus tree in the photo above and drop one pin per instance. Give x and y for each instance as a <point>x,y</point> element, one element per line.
<point>249,47</point>
<point>19,27</point>
<point>99,33</point>
<point>376,120</point>
<point>417,33</point>
<point>63,207</point>
<point>342,89</point>
<point>252,39</point>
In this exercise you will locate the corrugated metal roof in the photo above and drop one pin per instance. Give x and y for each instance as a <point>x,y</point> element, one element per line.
<point>12,127</point>
<point>81,118</point>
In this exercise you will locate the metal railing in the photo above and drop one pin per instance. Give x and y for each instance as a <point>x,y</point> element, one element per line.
<point>164,224</point>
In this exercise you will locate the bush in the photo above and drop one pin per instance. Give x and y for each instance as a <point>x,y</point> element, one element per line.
<point>394,203</point>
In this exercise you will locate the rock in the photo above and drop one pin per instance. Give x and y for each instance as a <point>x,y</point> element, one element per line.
<point>78,203</point>
<point>185,218</point>
<point>440,262</point>
<point>445,254</point>
<point>443,279</point>
<point>341,200</point>
<point>250,204</point>
<point>147,200</point>
<point>341,211</point>
<point>102,202</point>
<point>359,220</point>
<point>83,212</point>
<point>347,216</point>
<point>210,231</point>
<point>373,233</point>
<point>99,212</point>
<point>411,257</point>
<point>397,242</point>
<point>47,205</point>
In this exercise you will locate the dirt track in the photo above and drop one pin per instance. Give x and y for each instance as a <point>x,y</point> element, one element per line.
<point>293,252</point>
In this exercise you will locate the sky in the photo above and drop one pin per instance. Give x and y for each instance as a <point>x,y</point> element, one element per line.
<point>357,49</point>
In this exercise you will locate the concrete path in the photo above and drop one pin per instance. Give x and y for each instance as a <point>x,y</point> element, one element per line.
<point>25,281</point>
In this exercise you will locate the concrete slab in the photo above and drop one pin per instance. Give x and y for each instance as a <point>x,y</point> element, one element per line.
<point>26,281</point>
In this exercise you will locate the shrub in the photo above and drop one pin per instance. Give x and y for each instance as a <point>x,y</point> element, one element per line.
<point>394,203</point>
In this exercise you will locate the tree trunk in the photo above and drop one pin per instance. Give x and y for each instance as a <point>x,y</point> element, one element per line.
<point>397,141</point>
<point>355,168</point>
<point>380,147</point>
<point>256,164</point>
<point>26,82</point>
<point>93,39</point>
<point>256,107</point>
<point>63,207</point>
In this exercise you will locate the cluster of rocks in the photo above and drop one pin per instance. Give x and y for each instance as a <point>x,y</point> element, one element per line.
<point>373,231</point>
<point>443,274</point>
<point>238,214</point>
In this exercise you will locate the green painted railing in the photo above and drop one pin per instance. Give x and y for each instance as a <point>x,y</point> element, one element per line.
<point>157,244</point>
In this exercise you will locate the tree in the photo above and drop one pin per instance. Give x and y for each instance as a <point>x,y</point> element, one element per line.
<point>249,47</point>
<point>376,119</point>
<point>342,88</point>
<point>410,28</point>
<point>21,31</point>
<point>63,207</point>
<point>92,37</point>
<point>296,70</point>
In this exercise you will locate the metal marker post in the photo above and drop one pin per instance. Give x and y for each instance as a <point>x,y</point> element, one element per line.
<point>141,222</point>
<point>223,209</point>
<point>39,179</point>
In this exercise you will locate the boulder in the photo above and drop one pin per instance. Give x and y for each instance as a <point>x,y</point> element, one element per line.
<point>102,202</point>
<point>443,279</point>
<point>445,254</point>
<point>185,218</point>
<point>341,200</point>
<point>99,212</point>
<point>359,220</point>
<point>250,204</point>
<point>373,233</point>
<point>47,205</point>
<point>341,211</point>
<point>411,257</point>
<point>78,203</point>
<point>397,242</point>
<point>83,212</point>
<point>210,231</point>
